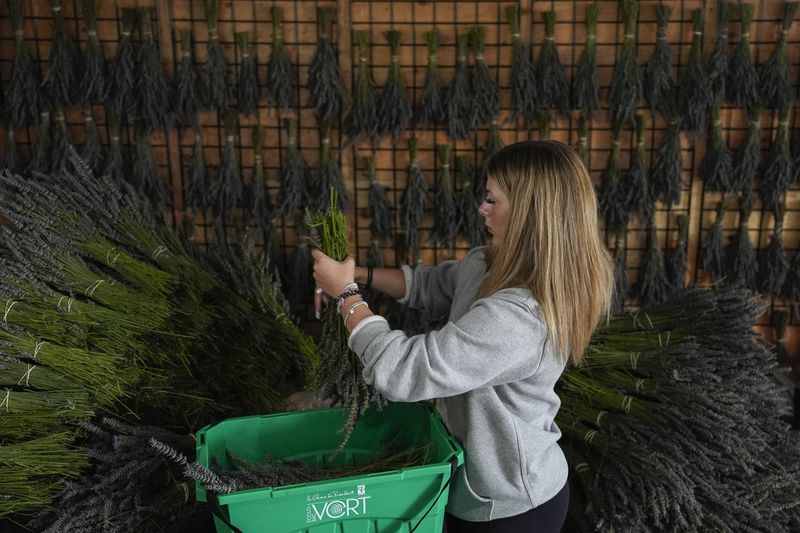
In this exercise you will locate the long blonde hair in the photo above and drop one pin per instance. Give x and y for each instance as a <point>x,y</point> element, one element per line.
<point>553,244</point>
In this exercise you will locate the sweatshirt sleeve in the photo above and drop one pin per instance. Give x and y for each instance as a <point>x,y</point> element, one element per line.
<point>430,288</point>
<point>500,339</point>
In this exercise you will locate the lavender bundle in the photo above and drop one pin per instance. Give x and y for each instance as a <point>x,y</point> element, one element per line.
<point>583,146</point>
<point>324,83</point>
<point>216,68</point>
<point>153,91</point>
<point>695,91</point>
<point>742,266</point>
<point>626,87</point>
<point>747,159</point>
<point>226,192</point>
<point>620,272</point>
<point>65,60</point>
<point>470,223</point>
<point>394,109</point>
<point>328,175</point>
<point>91,151</point>
<point>145,176</point>
<point>22,92</point>
<point>10,159</point>
<point>742,85</point>
<point>676,257</point>
<point>247,85</point>
<point>712,251</point>
<point>779,321</point>
<point>719,61</point>
<point>196,177</point>
<point>791,287</point>
<point>60,146</point>
<point>93,86</point>
<point>716,169</point>
<point>379,210</point>
<point>774,85</point>
<point>585,84</point>
<point>772,263</point>
<point>523,73</point>
<point>115,167</point>
<point>121,74</point>
<point>187,90</point>
<point>493,143</point>
<point>279,68</point>
<point>611,198</point>
<point>659,82</point>
<point>636,182</point>
<point>432,108</point>
<point>461,112</point>
<point>666,174</point>
<point>300,277</point>
<point>777,172</point>
<point>362,119</point>
<point>414,199</point>
<point>553,88</point>
<point>294,176</point>
<point>261,204</point>
<point>544,116</point>
<point>445,222</point>
<point>485,97</point>
<point>652,286</point>
<point>40,149</point>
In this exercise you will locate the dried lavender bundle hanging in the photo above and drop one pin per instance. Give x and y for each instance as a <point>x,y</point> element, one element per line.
<point>470,223</point>
<point>116,167</point>
<point>777,172</point>
<point>712,251</point>
<point>92,151</point>
<point>523,74</point>
<point>791,287</point>
<point>695,92</point>
<point>22,92</point>
<point>747,159</point>
<point>553,88</point>
<point>215,73</point>
<point>779,320</point>
<point>461,112</point>
<point>225,194</point>
<point>362,119</point>
<point>65,61</point>
<point>620,272</point>
<point>10,159</point>
<point>121,74</point>
<point>774,85</point>
<point>324,82</point>
<point>60,146</point>
<point>716,169</point>
<point>432,108</point>
<point>261,205</point>
<point>394,109</point>
<point>328,175</point>
<point>414,199</point>
<point>666,174</point>
<point>195,180</point>
<point>40,149</point>
<point>145,175</point>
<point>742,266</point>
<point>93,86</point>
<point>626,86</point>
<point>718,63</point>
<point>493,143</point>
<point>636,181</point>
<point>676,257</point>
<point>485,97</point>
<point>659,82</point>
<point>247,85</point>
<point>187,89</point>
<point>652,286</point>
<point>585,84</point>
<point>153,89</point>
<point>445,219</point>
<point>294,176</point>
<point>611,198</point>
<point>742,84</point>
<point>379,210</point>
<point>300,278</point>
<point>279,68</point>
<point>772,263</point>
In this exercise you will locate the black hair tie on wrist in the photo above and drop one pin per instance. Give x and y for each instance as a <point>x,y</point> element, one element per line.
<point>369,278</point>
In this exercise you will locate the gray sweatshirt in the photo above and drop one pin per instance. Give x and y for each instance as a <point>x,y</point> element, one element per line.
<point>495,371</point>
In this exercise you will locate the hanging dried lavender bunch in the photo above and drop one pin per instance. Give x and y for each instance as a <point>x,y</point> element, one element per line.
<point>666,174</point>
<point>620,272</point>
<point>747,159</point>
<point>652,286</point>
<point>777,169</point>
<point>414,199</point>
<point>470,223</point>
<point>739,255</point>
<point>22,91</point>
<point>779,320</point>
<point>294,176</point>
<point>362,118</point>
<point>328,175</point>
<point>187,90</point>
<point>659,82</point>
<point>445,222</point>
<point>553,88</point>
<point>300,277</point>
<point>60,146</point>
<point>493,143</point>
<point>461,113</point>
<point>432,109</point>
<point>279,69</point>
<point>695,92</point>
<point>719,61</point>
<point>394,109</point>
<point>485,98</point>
<point>676,257</point>
<point>247,86</point>
<point>523,74</point>
<point>153,90</point>
<point>583,146</point>
<point>324,83</point>
<point>195,180</point>
<point>635,182</point>
<point>262,206</point>
<point>712,251</point>
<point>585,84</point>
<point>121,74</point>
<point>611,198</point>
<point>145,174</point>
<point>10,158</point>
<point>742,85</point>
<point>116,167</point>
<point>92,151</point>
<point>716,169</point>
<point>65,60</point>
<point>772,264</point>
<point>93,86</point>
<point>626,87</point>
<point>774,83</point>
<point>791,287</point>
<point>226,192</point>
<point>40,149</point>
<point>379,210</point>
<point>215,72</point>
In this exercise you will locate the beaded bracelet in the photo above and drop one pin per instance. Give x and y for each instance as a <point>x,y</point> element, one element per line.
<point>346,294</point>
<point>352,310</point>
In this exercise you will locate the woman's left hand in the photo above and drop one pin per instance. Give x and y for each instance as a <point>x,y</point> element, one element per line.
<point>332,276</point>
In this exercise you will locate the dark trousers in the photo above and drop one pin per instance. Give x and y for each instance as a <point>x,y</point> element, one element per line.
<point>549,517</point>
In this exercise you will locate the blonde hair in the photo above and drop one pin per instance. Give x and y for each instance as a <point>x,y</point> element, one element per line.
<point>553,244</point>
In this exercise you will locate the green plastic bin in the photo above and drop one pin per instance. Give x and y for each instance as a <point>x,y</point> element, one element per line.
<point>410,499</point>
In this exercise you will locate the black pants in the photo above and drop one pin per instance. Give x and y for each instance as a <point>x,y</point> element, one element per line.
<point>549,517</point>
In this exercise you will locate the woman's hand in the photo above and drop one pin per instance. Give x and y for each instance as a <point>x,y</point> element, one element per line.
<point>331,276</point>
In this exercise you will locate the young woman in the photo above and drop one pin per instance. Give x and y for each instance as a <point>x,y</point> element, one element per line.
<point>518,310</point>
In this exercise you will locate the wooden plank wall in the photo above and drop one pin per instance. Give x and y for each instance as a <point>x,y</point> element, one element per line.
<point>413,19</point>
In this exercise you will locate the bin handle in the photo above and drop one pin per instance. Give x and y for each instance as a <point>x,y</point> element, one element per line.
<point>453,467</point>
<point>216,509</point>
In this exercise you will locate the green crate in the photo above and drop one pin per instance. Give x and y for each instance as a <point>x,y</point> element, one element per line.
<point>393,501</point>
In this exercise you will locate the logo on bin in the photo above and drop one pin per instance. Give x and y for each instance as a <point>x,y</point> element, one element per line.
<point>336,504</point>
